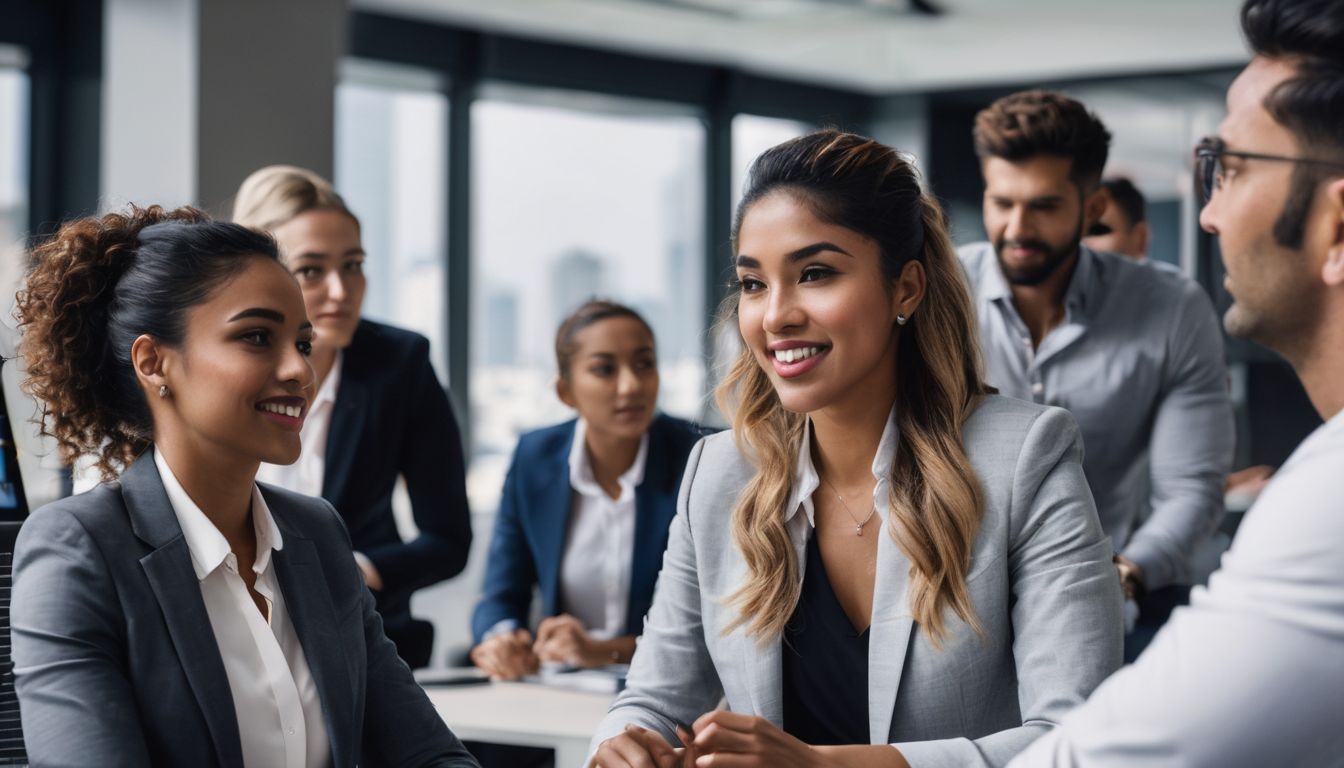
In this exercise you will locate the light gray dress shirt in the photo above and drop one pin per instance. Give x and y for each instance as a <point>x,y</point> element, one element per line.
<point>1139,362</point>
<point>1252,673</point>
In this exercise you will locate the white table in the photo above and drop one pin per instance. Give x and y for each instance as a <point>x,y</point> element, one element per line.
<point>524,714</point>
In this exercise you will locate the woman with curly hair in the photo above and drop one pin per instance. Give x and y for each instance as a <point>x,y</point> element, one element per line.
<point>884,564</point>
<point>181,614</point>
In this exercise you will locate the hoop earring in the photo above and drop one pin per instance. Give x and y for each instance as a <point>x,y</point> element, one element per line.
<point>902,319</point>
<point>163,390</point>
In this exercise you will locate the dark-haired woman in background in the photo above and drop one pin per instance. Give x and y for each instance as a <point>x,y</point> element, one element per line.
<point>181,614</point>
<point>885,564</point>
<point>586,506</point>
<point>379,412</point>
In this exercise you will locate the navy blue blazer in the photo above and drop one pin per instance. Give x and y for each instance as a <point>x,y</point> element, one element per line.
<point>392,418</point>
<point>533,521</point>
<point>116,663</point>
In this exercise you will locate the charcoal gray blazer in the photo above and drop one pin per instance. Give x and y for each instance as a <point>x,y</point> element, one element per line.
<point>116,663</point>
<point>1041,582</point>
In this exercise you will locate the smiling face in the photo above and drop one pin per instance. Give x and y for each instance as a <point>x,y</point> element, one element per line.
<point>1035,215</point>
<point>815,310</point>
<point>1275,290</point>
<point>612,378</point>
<point>240,380</point>
<point>322,249</point>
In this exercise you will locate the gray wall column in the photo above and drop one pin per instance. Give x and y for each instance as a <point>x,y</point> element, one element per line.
<point>199,93</point>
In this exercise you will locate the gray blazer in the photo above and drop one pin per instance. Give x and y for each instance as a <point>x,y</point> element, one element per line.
<point>116,663</point>
<point>1041,582</point>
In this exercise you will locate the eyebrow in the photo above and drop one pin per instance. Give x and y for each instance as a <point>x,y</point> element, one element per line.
<point>264,314</point>
<point>1037,200</point>
<point>796,256</point>
<point>612,355</point>
<point>316,256</point>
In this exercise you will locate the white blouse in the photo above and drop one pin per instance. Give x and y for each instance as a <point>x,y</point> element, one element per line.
<point>595,569</point>
<point>274,695</point>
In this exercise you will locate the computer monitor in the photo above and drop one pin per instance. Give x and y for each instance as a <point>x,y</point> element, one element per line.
<point>13,502</point>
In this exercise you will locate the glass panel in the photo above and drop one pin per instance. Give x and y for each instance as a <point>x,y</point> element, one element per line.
<point>752,135</point>
<point>13,178</point>
<point>576,196</point>
<point>391,167</point>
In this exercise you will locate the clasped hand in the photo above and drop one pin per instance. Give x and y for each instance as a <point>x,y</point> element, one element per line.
<point>511,655</point>
<point>719,739</point>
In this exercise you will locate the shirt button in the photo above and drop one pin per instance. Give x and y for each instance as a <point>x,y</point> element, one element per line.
<point>1037,388</point>
<point>291,731</point>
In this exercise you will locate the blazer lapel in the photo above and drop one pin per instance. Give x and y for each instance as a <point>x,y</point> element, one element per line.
<point>889,634</point>
<point>347,422</point>
<point>765,670</point>
<point>555,500</point>
<point>308,602</point>
<point>178,591</point>
<point>655,506</point>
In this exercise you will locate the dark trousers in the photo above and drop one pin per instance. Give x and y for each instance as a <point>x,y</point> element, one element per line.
<point>1154,610</point>
<point>508,756</point>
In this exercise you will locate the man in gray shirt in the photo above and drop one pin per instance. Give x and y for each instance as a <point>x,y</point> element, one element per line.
<point>1252,673</point>
<point>1133,352</point>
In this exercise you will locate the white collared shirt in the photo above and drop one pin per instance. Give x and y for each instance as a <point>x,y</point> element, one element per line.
<point>806,481</point>
<point>599,546</point>
<point>274,696</point>
<point>305,475</point>
<point>1251,673</point>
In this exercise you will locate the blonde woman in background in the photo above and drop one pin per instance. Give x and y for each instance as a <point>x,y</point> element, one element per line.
<point>885,564</point>
<point>379,412</point>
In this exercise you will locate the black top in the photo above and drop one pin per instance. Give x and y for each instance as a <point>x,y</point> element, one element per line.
<point>825,664</point>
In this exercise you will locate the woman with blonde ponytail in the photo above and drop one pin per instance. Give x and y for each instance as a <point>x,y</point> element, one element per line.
<point>885,564</point>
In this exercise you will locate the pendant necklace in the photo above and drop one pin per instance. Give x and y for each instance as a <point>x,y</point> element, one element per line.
<point>858,524</point>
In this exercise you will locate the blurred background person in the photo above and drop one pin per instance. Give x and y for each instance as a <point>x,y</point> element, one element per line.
<point>379,412</point>
<point>586,506</point>
<point>1134,353</point>
<point>1123,225</point>
<point>181,613</point>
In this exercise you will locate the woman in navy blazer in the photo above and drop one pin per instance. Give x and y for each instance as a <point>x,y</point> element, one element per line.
<point>608,372</point>
<point>182,614</point>
<point>379,413</point>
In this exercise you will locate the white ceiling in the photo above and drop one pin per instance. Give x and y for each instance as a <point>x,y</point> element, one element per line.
<point>874,46</point>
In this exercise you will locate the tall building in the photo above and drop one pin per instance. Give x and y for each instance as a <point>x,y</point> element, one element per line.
<point>576,276</point>
<point>501,329</point>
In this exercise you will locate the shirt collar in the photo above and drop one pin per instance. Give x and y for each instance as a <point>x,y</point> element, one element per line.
<point>327,393</point>
<point>581,476</point>
<point>207,545</point>
<point>806,480</point>
<point>994,286</point>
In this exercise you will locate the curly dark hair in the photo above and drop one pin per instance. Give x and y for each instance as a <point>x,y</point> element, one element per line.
<point>94,288</point>
<point>1032,123</point>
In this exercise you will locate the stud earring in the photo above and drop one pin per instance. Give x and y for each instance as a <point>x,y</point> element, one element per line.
<point>902,319</point>
<point>163,390</point>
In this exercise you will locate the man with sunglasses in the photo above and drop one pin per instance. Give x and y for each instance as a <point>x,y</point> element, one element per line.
<point>1252,673</point>
<point>1134,353</point>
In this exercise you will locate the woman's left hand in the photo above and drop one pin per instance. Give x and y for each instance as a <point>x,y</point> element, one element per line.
<point>745,741</point>
<point>562,638</point>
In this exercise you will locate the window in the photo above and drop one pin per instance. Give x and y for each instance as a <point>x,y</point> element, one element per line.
<point>752,135</point>
<point>575,196</point>
<point>13,170</point>
<point>392,170</point>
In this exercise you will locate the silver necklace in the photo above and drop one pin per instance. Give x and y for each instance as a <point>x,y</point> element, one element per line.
<point>858,525</point>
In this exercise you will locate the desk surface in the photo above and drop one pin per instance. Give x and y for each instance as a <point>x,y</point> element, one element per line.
<point>525,714</point>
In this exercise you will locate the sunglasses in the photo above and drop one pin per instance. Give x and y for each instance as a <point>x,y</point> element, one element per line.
<point>1211,150</point>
